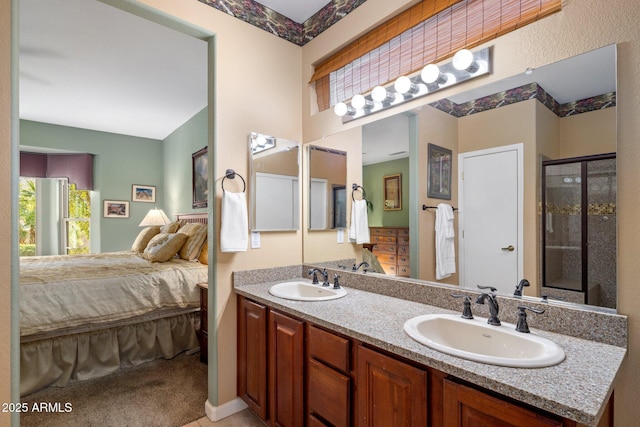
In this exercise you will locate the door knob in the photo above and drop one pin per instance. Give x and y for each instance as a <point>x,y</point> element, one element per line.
<point>509,248</point>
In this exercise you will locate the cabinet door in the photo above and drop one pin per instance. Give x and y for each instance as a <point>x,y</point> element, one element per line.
<point>465,406</point>
<point>252,355</point>
<point>389,392</point>
<point>286,370</point>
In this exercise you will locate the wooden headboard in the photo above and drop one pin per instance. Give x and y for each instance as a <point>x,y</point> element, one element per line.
<point>199,217</point>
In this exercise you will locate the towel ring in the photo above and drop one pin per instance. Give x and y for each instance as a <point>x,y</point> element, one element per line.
<point>231,174</point>
<point>354,188</point>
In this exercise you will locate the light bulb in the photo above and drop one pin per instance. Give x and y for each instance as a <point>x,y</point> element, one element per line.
<point>431,74</point>
<point>379,94</point>
<point>404,85</point>
<point>340,109</point>
<point>463,60</point>
<point>358,102</point>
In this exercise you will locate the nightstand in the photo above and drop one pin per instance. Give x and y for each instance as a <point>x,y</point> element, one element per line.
<point>203,335</point>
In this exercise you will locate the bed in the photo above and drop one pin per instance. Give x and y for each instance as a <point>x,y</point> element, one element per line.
<point>86,316</point>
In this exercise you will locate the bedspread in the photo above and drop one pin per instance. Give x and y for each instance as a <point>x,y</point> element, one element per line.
<point>66,291</point>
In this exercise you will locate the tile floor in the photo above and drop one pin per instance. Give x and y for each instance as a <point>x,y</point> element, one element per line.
<point>244,418</point>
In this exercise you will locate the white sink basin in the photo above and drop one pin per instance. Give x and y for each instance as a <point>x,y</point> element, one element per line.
<point>304,291</point>
<point>476,340</point>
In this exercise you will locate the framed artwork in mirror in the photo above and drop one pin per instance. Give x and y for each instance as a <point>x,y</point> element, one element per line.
<point>392,192</point>
<point>438,172</point>
<point>200,178</point>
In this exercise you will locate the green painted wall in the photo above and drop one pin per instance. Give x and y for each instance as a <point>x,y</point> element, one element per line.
<point>178,149</point>
<point>372,178</point>
<point>119,162</point>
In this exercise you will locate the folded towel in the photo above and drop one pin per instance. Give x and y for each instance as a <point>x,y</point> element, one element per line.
<point>445,244</point>
<point>234,229</point>
<point>359,229</point>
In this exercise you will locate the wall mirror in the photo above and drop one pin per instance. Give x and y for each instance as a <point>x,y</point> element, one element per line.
<point>579,110</point>
<point>327,188</point>
<point>275,183</point>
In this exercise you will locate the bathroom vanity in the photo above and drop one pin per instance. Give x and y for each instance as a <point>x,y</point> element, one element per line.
<point>348,362</point>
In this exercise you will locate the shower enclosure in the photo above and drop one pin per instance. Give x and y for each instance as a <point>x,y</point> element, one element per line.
<point>579,229</point>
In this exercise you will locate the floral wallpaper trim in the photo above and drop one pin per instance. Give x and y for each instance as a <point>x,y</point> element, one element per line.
<point>269,20</point>
<point>524,93</point>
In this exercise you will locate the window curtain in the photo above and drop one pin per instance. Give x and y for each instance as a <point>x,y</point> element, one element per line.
<point>78,168</point>
<point>428,32</point>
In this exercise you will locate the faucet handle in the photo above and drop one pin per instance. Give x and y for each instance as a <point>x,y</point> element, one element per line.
<point>522,325</point>
<point>491,288</point>
<point>325,277</point>
<point>466,311</point>
<point>314,271</point>
<point>336,282</point>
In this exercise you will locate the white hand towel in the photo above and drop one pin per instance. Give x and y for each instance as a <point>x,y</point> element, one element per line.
<point>234,229</point>
<point>359,229</point>
<point>445,245</point>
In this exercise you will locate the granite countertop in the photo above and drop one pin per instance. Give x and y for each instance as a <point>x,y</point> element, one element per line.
<point>577,389</point>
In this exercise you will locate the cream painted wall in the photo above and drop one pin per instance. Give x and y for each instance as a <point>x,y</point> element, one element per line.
<point>588,133</point>
<point>579,27</point>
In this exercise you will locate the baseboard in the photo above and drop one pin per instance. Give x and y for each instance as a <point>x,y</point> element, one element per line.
<point>216,413</point>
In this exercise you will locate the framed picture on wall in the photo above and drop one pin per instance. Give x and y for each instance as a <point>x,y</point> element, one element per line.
<point>143,193</point>
<point>115,209</point>
<point>392,186</point>
<point>200,178</point>
<point>438,172</point>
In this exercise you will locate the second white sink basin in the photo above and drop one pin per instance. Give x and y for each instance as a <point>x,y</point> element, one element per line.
<point>304,291</point>
<point>476,340</point>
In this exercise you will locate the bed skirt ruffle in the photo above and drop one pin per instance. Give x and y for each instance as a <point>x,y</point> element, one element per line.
<point>60,360</point>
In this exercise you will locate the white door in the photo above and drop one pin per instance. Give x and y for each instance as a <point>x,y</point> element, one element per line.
<point>490,217</point>
<point>318,204</point>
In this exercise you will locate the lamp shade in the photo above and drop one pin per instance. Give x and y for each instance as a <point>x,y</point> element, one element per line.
<point>155,216</point>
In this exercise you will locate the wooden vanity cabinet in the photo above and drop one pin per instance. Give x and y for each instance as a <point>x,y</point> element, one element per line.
<point>329,379</point>
<point>286,370</point>
<point>390,392</point>
<point>319,378</point>
<point>252,355</point>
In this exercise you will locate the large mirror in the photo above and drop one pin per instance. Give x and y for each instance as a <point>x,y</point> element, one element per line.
<point>275,183</point>
<point>327,188</point>
<point>562,111</point>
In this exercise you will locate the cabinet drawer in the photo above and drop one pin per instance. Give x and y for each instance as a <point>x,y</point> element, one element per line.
<point>385,248</point>
<point>380,231</point>
<point>383,239</point>
<point>387,258</point>
<point>403,260</point>
<point>402,240</point>
<point>329,348</point>
<point>389,268</point>
<point>329,395</point>
<point>404,271</point>
<point>403,250</point>
<point>403,232</point>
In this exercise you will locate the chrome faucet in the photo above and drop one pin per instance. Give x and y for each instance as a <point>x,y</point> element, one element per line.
<point>519,287</point>
<point>494,308</point>
<point>363,263</point>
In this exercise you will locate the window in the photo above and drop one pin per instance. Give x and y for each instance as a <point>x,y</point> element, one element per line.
<point>46,204</point>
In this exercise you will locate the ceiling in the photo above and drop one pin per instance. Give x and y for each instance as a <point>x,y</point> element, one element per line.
<point>86,64</point>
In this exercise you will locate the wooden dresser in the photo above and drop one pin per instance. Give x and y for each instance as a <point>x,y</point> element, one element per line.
<point>203,334</point>
<point>391,247</point>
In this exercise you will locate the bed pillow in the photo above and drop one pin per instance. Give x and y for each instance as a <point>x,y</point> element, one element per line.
<point>172,227</point>
<point>143,238</point>
<point>164,246</point>
<point>196,235</point>
<point>203,258</point>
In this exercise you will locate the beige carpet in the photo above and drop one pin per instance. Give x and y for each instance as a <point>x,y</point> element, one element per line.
<point>164,393</point>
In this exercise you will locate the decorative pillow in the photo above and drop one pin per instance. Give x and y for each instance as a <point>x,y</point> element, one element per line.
<point>164,246</point>
<point>172,227</point>
<point>143,238</point>
<point>203,258</point>
<point>196,235</point>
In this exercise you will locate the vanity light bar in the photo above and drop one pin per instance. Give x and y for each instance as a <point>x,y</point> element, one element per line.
<point>465,65</point>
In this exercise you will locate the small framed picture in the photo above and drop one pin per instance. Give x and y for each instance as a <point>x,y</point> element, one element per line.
<point>439,172</point>
<point>200,178</point>
<point>392,192</point>
<point>116,209</point>
<point>143,193</point>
